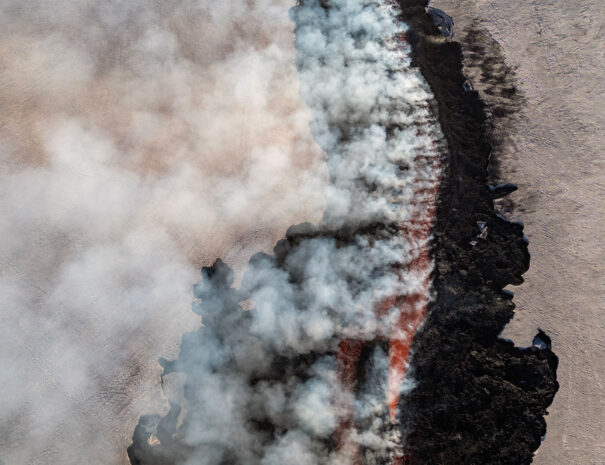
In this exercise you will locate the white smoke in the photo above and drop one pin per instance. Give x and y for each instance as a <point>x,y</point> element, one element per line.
<point>139,140</point>
<point>274,364</point>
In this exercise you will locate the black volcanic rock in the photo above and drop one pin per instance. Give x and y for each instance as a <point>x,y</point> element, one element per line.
<point>502,190</point>
<point>479,399</point>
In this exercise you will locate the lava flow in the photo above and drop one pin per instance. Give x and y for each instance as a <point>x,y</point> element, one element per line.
<point>414,306</point>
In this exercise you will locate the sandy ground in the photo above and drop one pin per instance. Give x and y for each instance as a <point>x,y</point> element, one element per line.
<point>555,156</point>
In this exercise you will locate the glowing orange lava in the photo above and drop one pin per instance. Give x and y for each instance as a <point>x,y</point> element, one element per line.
<point>412,311</point>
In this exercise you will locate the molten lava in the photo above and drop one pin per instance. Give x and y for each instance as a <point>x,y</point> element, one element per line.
<point>413,309</point>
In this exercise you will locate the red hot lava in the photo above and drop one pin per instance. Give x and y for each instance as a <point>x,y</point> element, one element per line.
<point>413,308</point>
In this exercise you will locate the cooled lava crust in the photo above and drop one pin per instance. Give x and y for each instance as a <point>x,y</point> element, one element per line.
<point>479,399</point>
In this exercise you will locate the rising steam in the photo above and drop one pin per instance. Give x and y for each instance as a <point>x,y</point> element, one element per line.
<point>264,384</point>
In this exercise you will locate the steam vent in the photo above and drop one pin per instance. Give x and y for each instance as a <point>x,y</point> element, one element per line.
<point>371,337</point>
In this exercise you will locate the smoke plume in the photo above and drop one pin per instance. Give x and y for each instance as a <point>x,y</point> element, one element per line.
<point>139,141</point>
<point>262,379</point>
